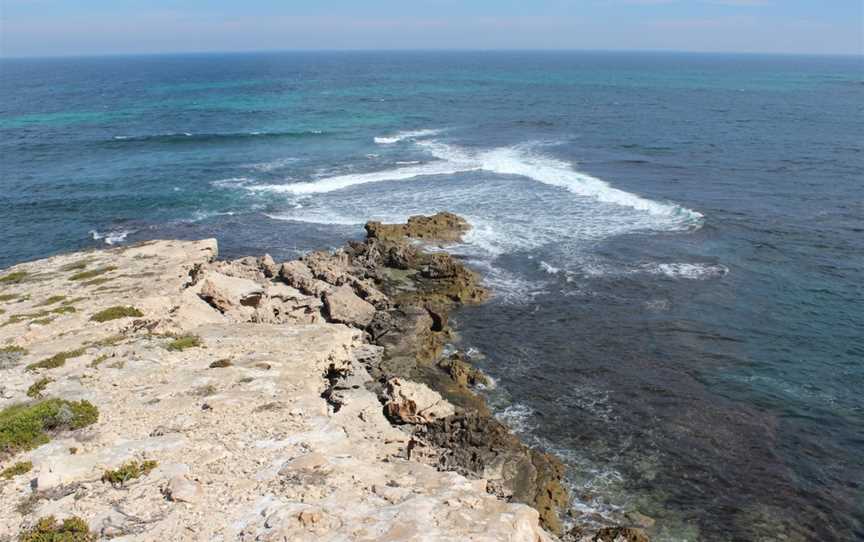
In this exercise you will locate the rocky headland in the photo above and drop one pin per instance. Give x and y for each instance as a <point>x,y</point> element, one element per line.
<point>154,392</point>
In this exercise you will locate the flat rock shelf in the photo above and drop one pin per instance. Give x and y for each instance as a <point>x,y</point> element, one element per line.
<point>154,392</point>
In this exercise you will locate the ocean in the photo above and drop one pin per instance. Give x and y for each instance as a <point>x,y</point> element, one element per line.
<point>674,241</point>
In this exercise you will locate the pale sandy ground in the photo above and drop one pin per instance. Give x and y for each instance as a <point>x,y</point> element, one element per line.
<point>246,452</point>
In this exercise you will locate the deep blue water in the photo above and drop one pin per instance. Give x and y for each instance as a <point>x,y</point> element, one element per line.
<point>674,240</point>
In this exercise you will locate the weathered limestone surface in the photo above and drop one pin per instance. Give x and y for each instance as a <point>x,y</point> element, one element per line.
<point>268,427</point>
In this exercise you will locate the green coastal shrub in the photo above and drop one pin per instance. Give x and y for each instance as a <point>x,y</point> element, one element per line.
<point>14,278</point>
<point>35,391</point>
<point>10,355</point>
<point>57,360</point>
<point>28,425</point>
<point>42,321</point>
<point>47,529</point>
<point>128,471</point>
<point>16,318</point>
<point>93,273</point>
<point>51,300</point>
<point>112,340</point>
<point>114,313</point>
<point>182,343</point>
<point>22,467</point>
<point>75,266</point>
<point>13,349</point>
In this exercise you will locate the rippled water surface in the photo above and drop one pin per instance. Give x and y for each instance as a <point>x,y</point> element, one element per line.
<point>675,241</point>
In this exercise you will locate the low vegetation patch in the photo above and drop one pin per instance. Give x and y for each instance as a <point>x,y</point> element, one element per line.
<point>9,355</point>
<point>7,297</point>
<point>22,317</point>
<point>51,300</point>
<point>128,471</point>
<point>75,266</point>
<point>22,467</point>
<point>26,426</point>
<point>113,340</point>
<point>42,321</point>
<point>98,361</point>
<point>13,349</point>
<point>35,391</point>
<point>13,278</point>
<point>57,360</point>
<point>182,343</point>
<point>114,313</point>
<point>40,317</point>
<point>48,529</point>
<point>93,273</point>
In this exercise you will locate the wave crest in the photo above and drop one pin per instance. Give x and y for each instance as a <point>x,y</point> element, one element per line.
<point>504,161</point>
<point>408,134</point>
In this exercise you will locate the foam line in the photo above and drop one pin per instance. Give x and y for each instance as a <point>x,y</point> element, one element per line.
<point>505,161</point>
<point>401,136</point>
<point>340,182</point>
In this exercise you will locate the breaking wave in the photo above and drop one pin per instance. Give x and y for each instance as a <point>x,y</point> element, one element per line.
<point>112,237</point>
<point>693,271</point>
<point>340,182</point>
<point>505,161</point>
<point>402,136</point>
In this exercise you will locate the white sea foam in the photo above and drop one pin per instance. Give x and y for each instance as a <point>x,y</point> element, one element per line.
<point>505,161</point>
<point>266,167</point>
<point>341,182</point>
<point>517,417</point>
<point>112,237</point>
<point>232,182</point>
<point>692,271</point>
<point>516,161</point>
<point>201,215</point>
<point>315,217</point>
<point>402,136</point>
<point>551,269</point>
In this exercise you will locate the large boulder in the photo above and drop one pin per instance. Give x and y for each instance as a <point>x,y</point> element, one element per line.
<point>415,403</point>
<point>182,489</point>
<point>440,227</point>
<point>298,275</point>
<point>331,268</point>
<point>230,294</point>
<point>268,266</point>
<point>343,306</point>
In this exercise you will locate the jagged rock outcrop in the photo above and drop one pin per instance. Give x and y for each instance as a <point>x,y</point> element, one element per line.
<point>343,306</point>
<point>282,440</point>
<point>438,228</point>
<point>479,444</point>
<point>413,402</point>
<point>332,412</point>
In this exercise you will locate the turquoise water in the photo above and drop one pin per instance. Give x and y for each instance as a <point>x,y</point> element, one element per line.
<point>674,241</point>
